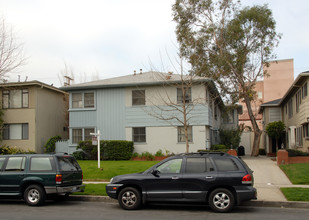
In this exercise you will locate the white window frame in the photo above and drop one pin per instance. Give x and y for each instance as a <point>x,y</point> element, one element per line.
<point>181,137</point>
<point>83,105</point>
<point>83,134</point>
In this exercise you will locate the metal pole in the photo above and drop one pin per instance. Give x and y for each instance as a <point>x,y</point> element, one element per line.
<point>99,149</point>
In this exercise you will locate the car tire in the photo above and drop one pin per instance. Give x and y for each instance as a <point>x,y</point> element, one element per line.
<point>221,200</point>
<point>34,195</point>
<point>130,198</point>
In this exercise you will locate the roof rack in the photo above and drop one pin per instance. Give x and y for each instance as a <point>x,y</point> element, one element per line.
<point>202,153</point>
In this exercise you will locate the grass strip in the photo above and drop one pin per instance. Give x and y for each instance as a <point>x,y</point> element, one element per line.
<point>296,194</point>
<point>110,169</point>
<point>94,190</point>
<point>297,173</point>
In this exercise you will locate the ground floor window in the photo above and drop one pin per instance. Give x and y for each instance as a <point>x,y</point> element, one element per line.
<point>81,134</point>
<point>16,131</point>
<point>306,130</point>
<point>139,134</point>
<point>182,136</point>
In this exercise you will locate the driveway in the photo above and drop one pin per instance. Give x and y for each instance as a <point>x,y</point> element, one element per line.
<point>268,178</point>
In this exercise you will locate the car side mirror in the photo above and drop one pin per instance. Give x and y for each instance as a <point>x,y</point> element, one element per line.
<point>155,172</point>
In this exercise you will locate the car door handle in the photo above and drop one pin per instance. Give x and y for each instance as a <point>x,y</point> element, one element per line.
<point>209,177</point>
<point>175,178</point>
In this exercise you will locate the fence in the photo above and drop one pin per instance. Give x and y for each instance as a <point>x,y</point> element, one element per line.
<point>63,146</point>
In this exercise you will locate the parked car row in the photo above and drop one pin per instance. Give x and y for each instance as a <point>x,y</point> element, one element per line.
<point>219,179</point>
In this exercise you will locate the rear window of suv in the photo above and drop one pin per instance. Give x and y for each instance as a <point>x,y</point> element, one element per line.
<point>67,163</point>
<point>225,164</point>
<point>198,165</point>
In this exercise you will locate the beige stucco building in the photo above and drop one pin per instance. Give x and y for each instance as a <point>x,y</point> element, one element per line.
<point>293,110</point>
<point>33,113</point>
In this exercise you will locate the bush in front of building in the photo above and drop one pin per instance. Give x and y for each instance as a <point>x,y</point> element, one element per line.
<point>5,150</point>
<point>230,137</point>
<point>296,153</point>
<point>50,146</point>
<point>110,150</point>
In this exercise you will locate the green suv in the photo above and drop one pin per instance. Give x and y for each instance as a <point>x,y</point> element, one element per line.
<point>34,176</point>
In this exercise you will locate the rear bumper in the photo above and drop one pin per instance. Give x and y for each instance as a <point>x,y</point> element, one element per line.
<point>111,190</point>
<point>64,189</point>
<point>246,194</point>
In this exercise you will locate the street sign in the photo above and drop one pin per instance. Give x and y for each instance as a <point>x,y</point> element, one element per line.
<point>94,140</point>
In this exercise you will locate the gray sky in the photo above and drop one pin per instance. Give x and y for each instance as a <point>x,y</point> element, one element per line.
<point>110,38</point>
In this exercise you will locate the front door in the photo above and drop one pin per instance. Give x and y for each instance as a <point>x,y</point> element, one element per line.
<point>165,183</point>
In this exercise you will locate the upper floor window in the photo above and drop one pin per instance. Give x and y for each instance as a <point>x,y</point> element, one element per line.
<point>16,98</point>
<point>83,100</point>
<point>290,107</point>
<point>183,95</point>
<point>304,90</point>
<point>16,131</point>
<point>138,97</point>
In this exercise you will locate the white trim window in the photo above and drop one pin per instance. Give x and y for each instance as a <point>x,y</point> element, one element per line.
<point>16,131</point>
<point>184,95</point>
<point>138,97</point>
<point>139,135</point>
<point>81,134</point>
<point>182,136</point>
<point>80,100</point>
<point>15,98</point>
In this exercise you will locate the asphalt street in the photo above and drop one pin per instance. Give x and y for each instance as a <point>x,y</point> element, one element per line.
<point>10,210</point>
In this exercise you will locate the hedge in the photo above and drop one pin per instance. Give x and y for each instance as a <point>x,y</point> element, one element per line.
<point>110,150</point>
<point>296,153</point>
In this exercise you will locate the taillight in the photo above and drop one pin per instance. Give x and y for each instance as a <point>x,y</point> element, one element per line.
<point>58,178</point>
<point>247,179</point>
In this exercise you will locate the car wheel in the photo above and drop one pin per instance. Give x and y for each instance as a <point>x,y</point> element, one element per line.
<point>221,200</point>
<point>129,198</point>
<point>34,195</point>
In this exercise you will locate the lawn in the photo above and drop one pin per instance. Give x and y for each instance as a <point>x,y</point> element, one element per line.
<point>297,173</point>
<point>93,189</point>
<point>296,194</point>
<point>110,169</point>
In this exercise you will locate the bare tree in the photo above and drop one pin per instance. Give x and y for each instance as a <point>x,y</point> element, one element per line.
<point>11,51</point>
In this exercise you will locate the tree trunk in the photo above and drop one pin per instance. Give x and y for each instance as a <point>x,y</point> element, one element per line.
<point>256,130</point>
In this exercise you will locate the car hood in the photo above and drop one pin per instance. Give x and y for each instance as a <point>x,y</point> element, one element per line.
<point>123,178</point>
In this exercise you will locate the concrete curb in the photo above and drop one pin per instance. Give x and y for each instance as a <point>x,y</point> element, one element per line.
<point>252,203</point>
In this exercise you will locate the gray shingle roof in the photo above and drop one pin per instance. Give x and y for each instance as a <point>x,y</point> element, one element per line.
<point>147,78</point>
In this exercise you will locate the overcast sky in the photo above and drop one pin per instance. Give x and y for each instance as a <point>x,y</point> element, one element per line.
<point>110,38</point>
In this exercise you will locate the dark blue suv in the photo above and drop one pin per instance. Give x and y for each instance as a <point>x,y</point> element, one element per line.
<point>219,179</point>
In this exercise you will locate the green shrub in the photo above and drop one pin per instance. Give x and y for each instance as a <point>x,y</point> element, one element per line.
<point>230,137</point>
<point>147,156</point>
<point>117,150</point>
<point>262,152</point>
<point>50,145</point>
<point>159,153</point>
<point>14,150</point>
<point>110,150</point>
<point>218,147</point>
<point>135,154</point>
<point>80,155</point>
<point>296,153</point>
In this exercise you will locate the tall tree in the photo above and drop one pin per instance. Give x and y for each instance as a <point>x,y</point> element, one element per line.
<point>275,130</point>
<point>229,44</point>
<point>11,51</point>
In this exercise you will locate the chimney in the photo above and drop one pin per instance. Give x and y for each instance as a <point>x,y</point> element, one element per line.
<point>134,72</point>
<point>141,71</point>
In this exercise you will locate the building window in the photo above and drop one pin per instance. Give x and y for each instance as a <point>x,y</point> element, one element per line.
<point>290,108</point>
<point>138,97</point>
<point>182,136</point>
<point>89,100</point>
<point>306,130</point>
<point>83,100</point>
<point>183,95</point>
<point>259,95</point>
<point>16,131</point>
<point>87,135</point>
<point>18,98</point>
<point>139,134</point>
<point>77,135</point>
<point>304,91</point>
<point>82,134</point>
<point>216,112</point>
<point>298,137</point>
